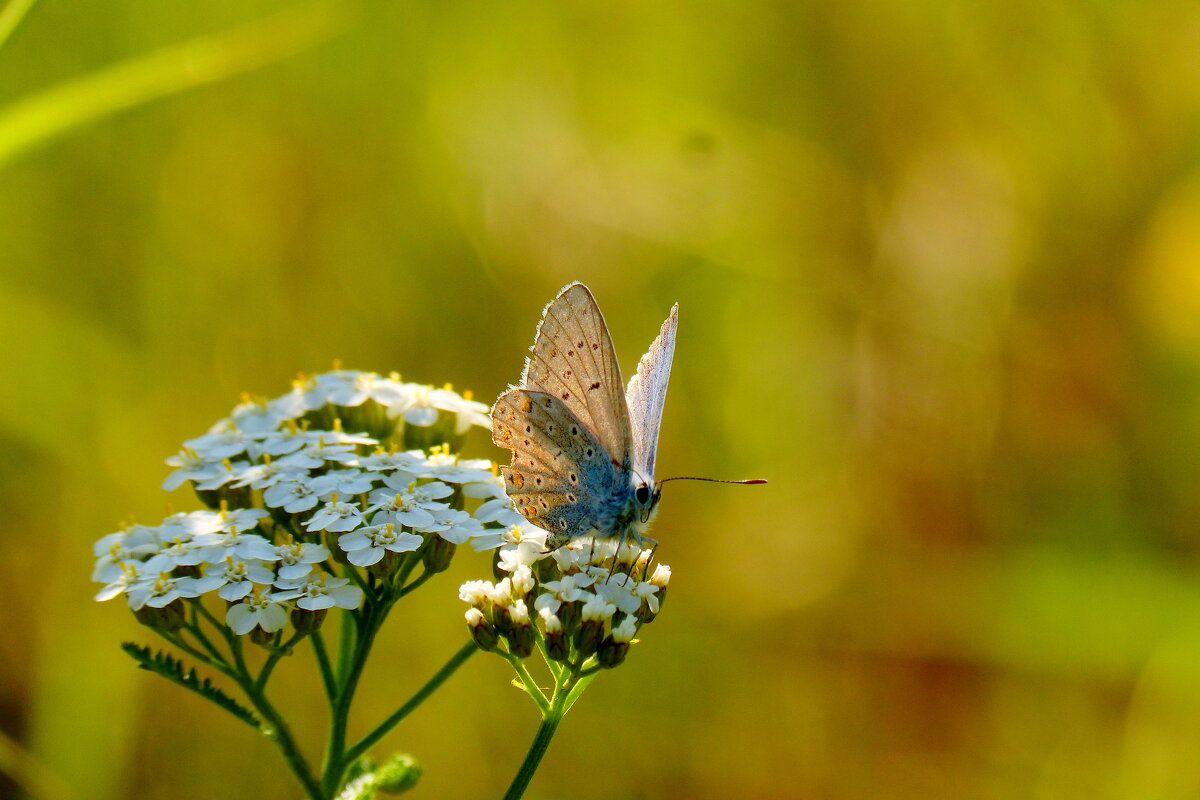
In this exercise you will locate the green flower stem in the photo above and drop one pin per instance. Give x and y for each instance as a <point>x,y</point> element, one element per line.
<point>273,659</point>
<point>347,634</point>
<point>417,583</point>
<point>581,683</point>
<point>194,627</point>
<point>538,749</point>
<point>318,643</point>
<point>531,687</point>
<point>564,693</point>
<point>410,564</point>
<point>278,730</point>
<point>448,669</point>
<point>352,574</point>
<point>335,763</point>
<point>216,663</point>
<point>282,736</point>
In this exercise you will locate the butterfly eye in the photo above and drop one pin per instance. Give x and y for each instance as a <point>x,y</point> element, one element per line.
<point>643,494</point>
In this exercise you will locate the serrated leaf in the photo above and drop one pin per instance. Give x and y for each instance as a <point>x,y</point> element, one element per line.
<point>173,670</point>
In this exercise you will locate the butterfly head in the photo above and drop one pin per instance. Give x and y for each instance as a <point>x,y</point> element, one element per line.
<point>646,497</point>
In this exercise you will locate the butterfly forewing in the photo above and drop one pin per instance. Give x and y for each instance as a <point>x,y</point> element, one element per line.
<point>646,394</point>
<point>560,473</point>
<point>573,360</point>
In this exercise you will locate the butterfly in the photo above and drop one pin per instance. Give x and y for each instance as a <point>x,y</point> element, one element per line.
<point>583,449</point>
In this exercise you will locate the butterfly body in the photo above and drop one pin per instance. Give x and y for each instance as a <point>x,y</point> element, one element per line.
<point>583,450</point>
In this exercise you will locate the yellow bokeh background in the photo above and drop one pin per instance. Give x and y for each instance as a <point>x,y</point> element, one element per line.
<point>938,267</point>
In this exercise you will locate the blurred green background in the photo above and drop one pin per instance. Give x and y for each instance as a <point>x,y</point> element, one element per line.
<point>938,265</point>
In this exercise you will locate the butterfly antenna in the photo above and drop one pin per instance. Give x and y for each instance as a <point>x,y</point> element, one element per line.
<point>711,480</point>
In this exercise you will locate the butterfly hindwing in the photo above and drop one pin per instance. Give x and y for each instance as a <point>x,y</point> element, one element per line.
<point>573,360</point>
<point>560,475</point>
<point>646,394</point>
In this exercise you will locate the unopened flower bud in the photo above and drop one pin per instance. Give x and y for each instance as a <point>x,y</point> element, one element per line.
<point>437,554</point>
<point>306,621</point>
<point>169,618</point>
<point>558,648</point>
<point>520,641</point>
<point>588,637</point>
<point>520,636</point>
<point>569,614</point>
<point>502,619</point>
<point>481,630</point>
<point>386,565</point>
<point>261,637</point>
<point>611,652</point>
<point>399,774</point>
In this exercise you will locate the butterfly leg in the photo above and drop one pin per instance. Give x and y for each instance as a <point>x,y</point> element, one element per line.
<point>616,558</point>
<point>653,548</point>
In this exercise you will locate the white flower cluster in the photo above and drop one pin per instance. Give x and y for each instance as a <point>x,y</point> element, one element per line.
<point>297,508</point>
<point>582,600</point>
<point>262,438</point>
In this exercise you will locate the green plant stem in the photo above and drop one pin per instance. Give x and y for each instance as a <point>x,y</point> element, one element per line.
<point>531,687</point>
<point>318,643</point>
<point>215,663</point>
<point>335,765</point>
<point>417,583</point>
<point>273,659</point>
<point>193,627</point>
<point>551,717</point>
<point>448,669</point>
<point>278,731</point>
<point>569,683</point>
<point>347,635</point>
<point>533,758</point>
<point>581,682</point>
<point>282,736</point>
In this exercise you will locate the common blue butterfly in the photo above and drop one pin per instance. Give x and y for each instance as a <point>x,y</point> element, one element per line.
<point>582,450</point>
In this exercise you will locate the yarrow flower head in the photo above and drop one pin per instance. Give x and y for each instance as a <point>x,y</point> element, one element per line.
<point>585,601</point>
<point>348,471</point>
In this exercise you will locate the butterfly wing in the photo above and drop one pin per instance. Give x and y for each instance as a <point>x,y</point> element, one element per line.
<point>573,360</point>
<point>646,394</point>
<point>561,477</point>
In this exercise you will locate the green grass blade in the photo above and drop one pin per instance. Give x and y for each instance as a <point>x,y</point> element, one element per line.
<point>36,119</point>
<point>11,17</point>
